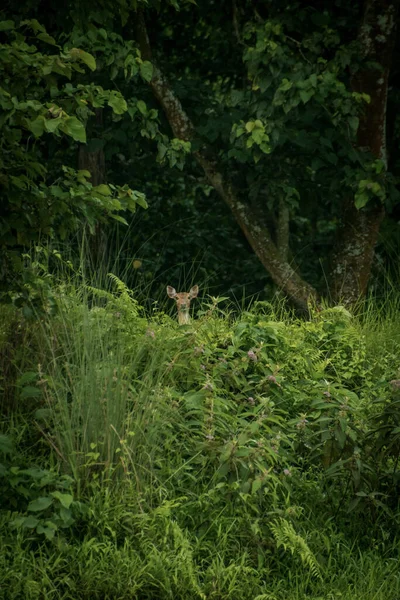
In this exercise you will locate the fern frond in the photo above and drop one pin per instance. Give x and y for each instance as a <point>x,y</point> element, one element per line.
<point>286,536</point>
<point>120,286</point>
<point>97,293</point>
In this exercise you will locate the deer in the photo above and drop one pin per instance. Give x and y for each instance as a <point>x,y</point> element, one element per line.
<point>182,300</point>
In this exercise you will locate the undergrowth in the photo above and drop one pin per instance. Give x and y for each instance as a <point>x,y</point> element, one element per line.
<point>242,456</point>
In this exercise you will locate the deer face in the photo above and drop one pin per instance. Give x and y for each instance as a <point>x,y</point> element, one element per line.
<point>182,300</point>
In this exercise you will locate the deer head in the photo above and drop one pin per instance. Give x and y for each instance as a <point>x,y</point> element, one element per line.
<point>182,300</point>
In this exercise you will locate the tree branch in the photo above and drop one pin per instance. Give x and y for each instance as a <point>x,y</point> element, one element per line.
<point>257,235</point>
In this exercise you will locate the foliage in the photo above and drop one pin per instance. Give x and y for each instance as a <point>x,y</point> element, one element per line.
<point>198,454</point>
<point>38,99</point>
<point>38,500</point>
<point>248,454</point>
<point>286,536</point>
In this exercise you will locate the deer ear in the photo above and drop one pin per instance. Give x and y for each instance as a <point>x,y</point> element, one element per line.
<point>194,291</point>
<point>171,291</point>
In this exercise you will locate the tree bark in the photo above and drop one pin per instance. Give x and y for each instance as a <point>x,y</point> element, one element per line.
<point>282,229</point>
<point>258,236</point>
<point>359,229</point>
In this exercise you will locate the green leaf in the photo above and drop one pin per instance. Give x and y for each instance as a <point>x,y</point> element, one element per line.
<point>49,532</point>
<point>30,522</point>
<point>6,445</point>
<point>65,499</point>
<point>141,106</point>
<point>140,199</point>
<point>258,136</point>
<point>40,504</point>
<point>119,219</point>
<point>30,391</point>
<point>285,85</point>
<point>146,70</point>
<point>305,95</point>
<point>162,151</point>
<point>52,125</point>
<point>7,25</point>
<point>34,25</point>
<point>353,122</point>
<point>27,377</point>
<point>84,57</point>
<point>102,189</point>
<point>117,103</point>
<point>45,37</point>
<point>361,199</point>
<point>66,516</point>
<point>37,126</point>
<point>74,128</point>
<point>57,191</point>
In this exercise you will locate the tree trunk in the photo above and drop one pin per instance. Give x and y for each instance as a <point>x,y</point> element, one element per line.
<point>258,236</point>
<point>359,230</point>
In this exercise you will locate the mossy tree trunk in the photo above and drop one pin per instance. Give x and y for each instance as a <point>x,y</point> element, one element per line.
<point>359,229</point>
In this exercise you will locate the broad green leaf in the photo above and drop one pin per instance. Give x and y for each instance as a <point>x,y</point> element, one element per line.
<point>30,391</point>
<point>84,173</point>
<point>45,37</point>
<point>84,57</point>
<point>43,414</point>
<point>146,70</point>
<point>66,516</point>
<point>353,122</point>
<point>361,199</point>
<point>57,191</point>
<point>258,136</point>
<point>74,128</point>
<point>49,532</point>
<point>30,522</point>
<point>140,199</point>
<point>141,106</point>
<point>34,24</point>
<point>40,504</point>
<point>37,126</point>
<point>313,80</point>
<point>162,150</point>
<point>52,125</point>
<point>117,103</point>
<point>18,522</point>
<point>7,25</point>
<point>102,189</point>
<point>27,377</point>
<point>305,95</point>
<point>65,499</point>
<point>285,85</point>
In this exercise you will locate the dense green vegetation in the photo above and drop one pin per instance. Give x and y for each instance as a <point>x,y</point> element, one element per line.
<point>249,148</point>
<point>248,457</point>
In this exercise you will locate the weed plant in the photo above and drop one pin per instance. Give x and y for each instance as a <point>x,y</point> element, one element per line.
<point>246,455</point>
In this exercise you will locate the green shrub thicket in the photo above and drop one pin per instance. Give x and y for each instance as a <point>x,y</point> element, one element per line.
<point>247,457</point>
